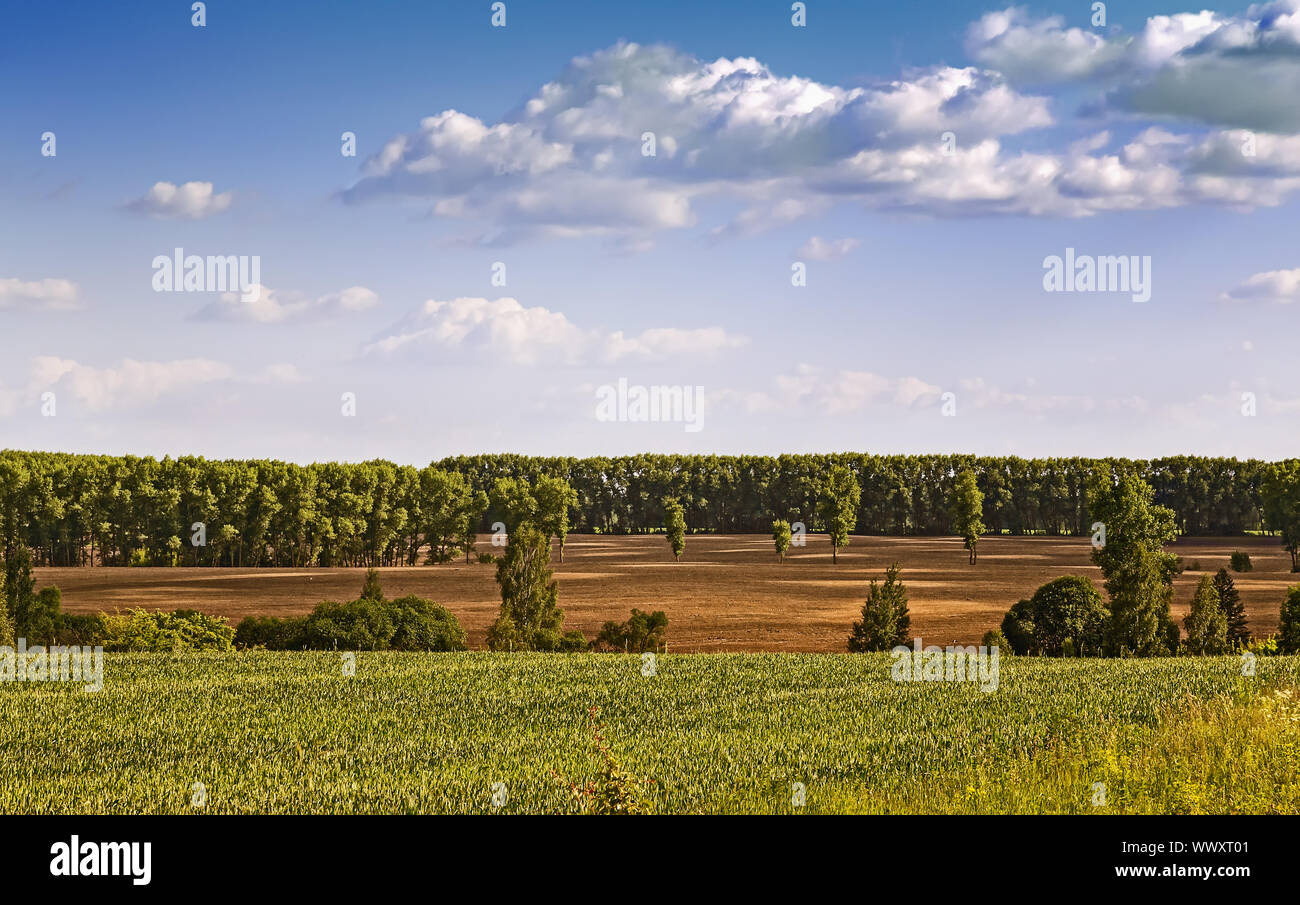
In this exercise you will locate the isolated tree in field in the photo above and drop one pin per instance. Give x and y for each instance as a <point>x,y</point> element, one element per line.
<point>1207,627</point>
<point>781,537</point>
<point>1139,574</point>
<point>554,499</point>
<point>675,527</point>
<point>1018,628</point>
<point>838,506</point>
<point>530,617</point>
<point>967,506</point>
<point>1280,490</point>
<point>885,621</point>
<point>371,590</point>
<point>1288,636</point>
<point>1067,616</point>
<point>1233,610</point>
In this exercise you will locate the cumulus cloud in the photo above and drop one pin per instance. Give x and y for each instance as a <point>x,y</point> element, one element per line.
<point>271,306</point>
<point>1273,285</point>
<point>132,382</point>
<point>1230,71</point>
<point>839,392</point>
<point>532,335</point>
<point>572,160</point>
<point>819,249</point>
<point>191,201</point>
<point>48,294</point>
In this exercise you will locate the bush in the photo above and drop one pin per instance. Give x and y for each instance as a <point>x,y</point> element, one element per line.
<point>272,633</point>
<point>643,632</point>
<point>487,559</point>
<point>85,629</point>
<point>420,624</point>
<point>1263,647</point>
<point>6,627</point>
<point>1207,626</point>
<point>1241,561</point>
<point>407,623</point>
<point>994,638</point>
<point>1288,640</point>
<point>1018,627</point>
<point>142,630</point>
<point>363,624</point>
<point>885,621</point>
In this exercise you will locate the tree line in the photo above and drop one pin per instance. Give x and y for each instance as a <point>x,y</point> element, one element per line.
<point>124,510</point>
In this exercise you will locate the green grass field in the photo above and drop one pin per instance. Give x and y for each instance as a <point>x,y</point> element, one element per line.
<point>288,732</point>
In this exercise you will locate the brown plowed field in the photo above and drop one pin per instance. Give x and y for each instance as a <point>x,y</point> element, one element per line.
<point>729,593</point>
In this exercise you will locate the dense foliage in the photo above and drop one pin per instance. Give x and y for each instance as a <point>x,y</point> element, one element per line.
<point>121,510</point>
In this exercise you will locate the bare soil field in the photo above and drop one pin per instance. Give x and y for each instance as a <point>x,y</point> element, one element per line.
<point>728,593</point>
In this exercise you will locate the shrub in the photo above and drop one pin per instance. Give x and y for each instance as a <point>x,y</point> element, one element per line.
<point>142,630</point>
<point>885,621</point>
<point>86,629</point>
<point>994,638</point>
<point>1241,561</point>
<point>642,632</point>
<point>1207,627</point>
<point>420,624</point>
<point>1263,647</point>
<point>781,537</point>
<point>1288,640</point>
<point>6,627</point>
<point>487,559</point>
<point>371,590</point>
<point>363,624</point>
<point>272,633</point>
<point>1018,627</point>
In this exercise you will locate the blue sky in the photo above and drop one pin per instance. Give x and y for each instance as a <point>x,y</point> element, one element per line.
<point>522,146</point>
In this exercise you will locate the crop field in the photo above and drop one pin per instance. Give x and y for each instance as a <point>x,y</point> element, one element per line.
<point>728,594</point>
<point>290,732</point>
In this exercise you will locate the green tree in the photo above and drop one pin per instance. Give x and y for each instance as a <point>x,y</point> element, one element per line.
<point>530,617</point>
<point>1288,638</point>
<point>1233,610</point>
<point>1068,614</point>
<point>1139,574</point>
<point>1281,494</point>
<point>675,527</point>
<point>967,506</point>
<point>838,506</point>
<point>371,590</point>
<point>1207,627</point>
<point>642,632</point>
<point>781,537</point>
<point>554,498</point>
<point>1019,629</point>
<point>885,621</point>
<point>20,590</point>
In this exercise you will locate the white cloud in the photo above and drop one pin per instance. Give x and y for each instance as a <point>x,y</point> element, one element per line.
<point>535,335</point>
<point>191,201</point>
<point>1234,71</point>
<point>132,382</point>
<point>819,249</point>
<point>840,392</point>
<point>129,383</point>
<point>273,307</point>
<point>48,293</point>
<point>1273,285</point>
